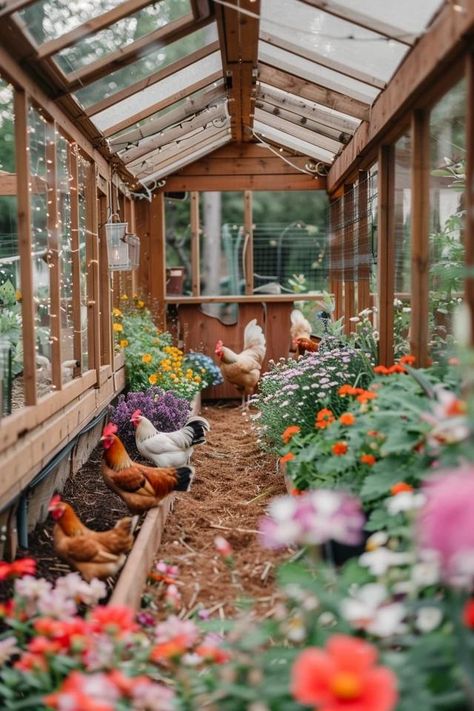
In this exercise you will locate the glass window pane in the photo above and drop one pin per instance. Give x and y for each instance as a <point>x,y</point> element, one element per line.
<point>447,250</point>
<point>312,72</point>
<point>160,91</point>
<point>333,38</point>
<point>84,173</point>
<point>410,16</point>
<point>49,19</point>
<point>402,235</point>
<point>146,65</point>
<point>11,365</point>
<point>121,34</point>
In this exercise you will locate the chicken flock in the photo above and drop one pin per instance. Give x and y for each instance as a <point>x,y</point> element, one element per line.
<point>142,487</point>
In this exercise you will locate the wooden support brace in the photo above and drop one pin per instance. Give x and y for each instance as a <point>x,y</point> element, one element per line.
<point>158,259</point>
<point>75,257</point>
<point>349,254</point>
<point>363,277</point>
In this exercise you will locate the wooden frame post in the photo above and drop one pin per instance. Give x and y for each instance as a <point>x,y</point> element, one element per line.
<point>195,245</point>
<point>363,246</point>
<point>93,278</point>
<point>348,256</point>
<point>248,243</point>
<point>420,216</point>
<point>469,225</point>
<point>25,245</point>
<point>335,257</point>
<point>386,251</point>
<point>106,333</point>
<point>53,258</point>
<point>158,258</point>
<point>75,258</point>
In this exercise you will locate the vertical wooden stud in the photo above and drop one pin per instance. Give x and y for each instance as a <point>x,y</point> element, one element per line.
<point>469,225</point>
<point>106,338</point>
<point>195,247</point>
<point>53,258</point>
<point>93,278</point>
<point>420,216</point>
<point>335,257</point>
<point>75,257</point>
<point>25,245</point>
<point>158,258</point>
<point>248,244</point>
<point>364,253</point>
<point>349,255</point>
<point>386,252</point>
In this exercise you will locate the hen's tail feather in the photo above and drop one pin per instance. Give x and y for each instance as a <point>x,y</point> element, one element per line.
<point>253,335</point>
<point>184,477</point>
<point>125,525</point>
<point>199,427</point>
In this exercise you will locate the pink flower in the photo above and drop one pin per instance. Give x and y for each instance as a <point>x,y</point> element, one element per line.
<point>173,627</point>
<point>173,596</point>
<point>223,546</point>
<point>446,523</point>
<point>313,518</point>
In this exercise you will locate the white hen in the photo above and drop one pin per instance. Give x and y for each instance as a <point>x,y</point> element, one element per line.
<point>168,449</point>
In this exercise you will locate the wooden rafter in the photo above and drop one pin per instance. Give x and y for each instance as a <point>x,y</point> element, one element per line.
<point>298,120</point>
<point>151,79</point>
<point>93,25</point>
<point>313,92</point>
<point>305,133</point>
<point>8,7</point>
<point>238,36</point>
<point>322,61</point>
<point>363,21</point>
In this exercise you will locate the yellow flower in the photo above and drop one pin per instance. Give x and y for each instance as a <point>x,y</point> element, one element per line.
<point>173,376</point>
<point>147,358</point>
<point>153,379</point>
<point>124,297</point>
<point>123,343</point>
<point>140,303</point>
<point>117,327</point>
<point>197,379</point>
<point>116,312</point>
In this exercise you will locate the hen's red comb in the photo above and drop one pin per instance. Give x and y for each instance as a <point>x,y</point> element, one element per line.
<point>137,413</point>
<point>109,430</point>
<point>54,502</point>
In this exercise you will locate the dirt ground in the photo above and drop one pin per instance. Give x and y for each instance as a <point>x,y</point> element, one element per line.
<point>233,483</point>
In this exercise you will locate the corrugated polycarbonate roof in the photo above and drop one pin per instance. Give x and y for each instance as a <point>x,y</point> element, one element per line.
<point>149,77</point>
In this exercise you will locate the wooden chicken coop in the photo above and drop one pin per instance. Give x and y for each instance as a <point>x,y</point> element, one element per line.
<point>110,108</point>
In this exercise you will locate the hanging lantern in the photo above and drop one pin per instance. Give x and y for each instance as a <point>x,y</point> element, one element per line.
<point>133,250</point>
<point>117,246</point>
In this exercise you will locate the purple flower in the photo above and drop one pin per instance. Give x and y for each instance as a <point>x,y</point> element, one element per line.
<point>165,410</point>
<point>314,518</point>
<point>446,523</point>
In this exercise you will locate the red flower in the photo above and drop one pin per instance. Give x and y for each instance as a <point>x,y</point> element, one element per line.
<point>171,649</point>
<point>365,396</point>
<point>468,613</point>
<point>407,360</point>
<point>456,407</point>
<point>373,433</point>
<point>290,432</point>
<point>347,418</point>
<point>368,459</point>
<point>339,448</point>
<point>324,418</point>
<point>400,487</point>
<point>17,569</point>
<point>113,620</point>
<point>381,370</point>
<point>397,368</point>
<point>296,492</point>
<point>213,653</point>
<point>287,457</point>
<point>349,390</point>
<point>343,677</point>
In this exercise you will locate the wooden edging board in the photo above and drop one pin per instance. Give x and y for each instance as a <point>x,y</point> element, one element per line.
<point>132,579</point>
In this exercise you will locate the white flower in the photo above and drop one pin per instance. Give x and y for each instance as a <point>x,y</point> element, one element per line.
<point>294,628</point>
<point>405,501</point>
<point>354,319</point>
<point>377,539</point>
<point>426,570</point>
<point>32,588</point>
<point>428,618</point>
<point>56,604</point>
<point>380,560</point>
<point>368,609</point>
<point>8,647</point>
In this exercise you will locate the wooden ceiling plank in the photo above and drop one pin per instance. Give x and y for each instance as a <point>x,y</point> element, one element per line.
<point>304,134</point>
<point>95,24</point>
<point>294,117</point>
<point>321,60</point>
<point>163,171</point>
<point>138,86</point>
<point>363,21</point>
<point>154,108</point>
<point>313,92</point>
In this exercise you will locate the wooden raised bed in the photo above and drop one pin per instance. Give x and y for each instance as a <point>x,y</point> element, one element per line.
<point>132,579</point>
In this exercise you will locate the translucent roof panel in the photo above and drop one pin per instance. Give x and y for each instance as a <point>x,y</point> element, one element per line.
<point>289,141</point>
<point>152,62</point>
<point>332,37</point>
<point>305,133</point>
<point>315,73</point>
<point>159,92</point>
<point>48,19</point>
<point>411,17</point>
<point>122,33</point>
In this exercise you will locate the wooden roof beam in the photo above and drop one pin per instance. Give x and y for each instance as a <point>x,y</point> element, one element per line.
<point>313,92</point>
<point>8,7</point>
<point>238,28</point>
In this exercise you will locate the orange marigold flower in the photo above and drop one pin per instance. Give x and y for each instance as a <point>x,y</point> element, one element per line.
<point>349,390</point>
<point>290,432</point>
<point>407,360</point>
<point>339,448</point>
<point>343,676</point>
<point>381,370</point>
<point>365,396</point>
<point>324,418</point>
<point>147,358</point>
<point>397,368</point>
<point>373,433</point>
<point>457,407</point>
<point>400,488</point>
<point>347,418</point>
<point>296,492</point>
<point>368,459</point>
<point>287,457</point>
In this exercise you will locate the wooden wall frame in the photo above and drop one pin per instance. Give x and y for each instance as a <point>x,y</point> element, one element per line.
<point>53,257</point>
<point>248,241</point>
<point>349,255</point>
<point>386,252</point>
<point>363,275</point>
<point>195,245</point>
